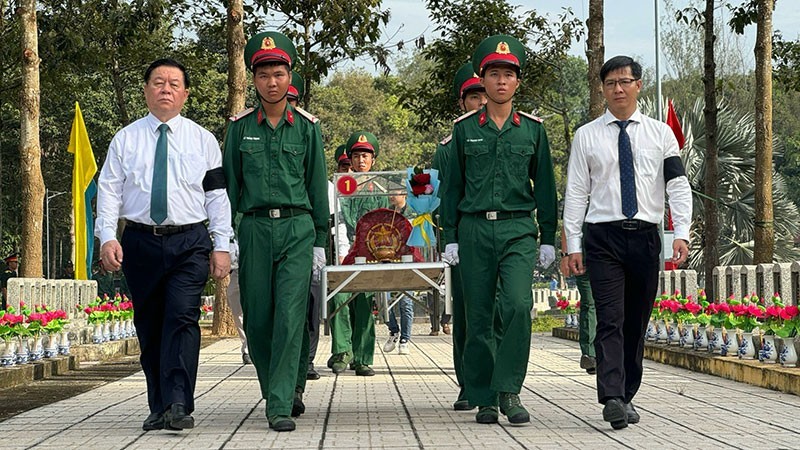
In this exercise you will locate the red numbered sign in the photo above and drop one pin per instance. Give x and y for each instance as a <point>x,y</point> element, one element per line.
<point>346,185</point>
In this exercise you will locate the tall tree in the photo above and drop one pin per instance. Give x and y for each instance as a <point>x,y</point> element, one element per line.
<point>765,231</point>
<point>711,235</point>
<point>329,31</point>
<point>237,86</point>
<point>760,13</point>
<point>595,53</point>
<point>30,151</point>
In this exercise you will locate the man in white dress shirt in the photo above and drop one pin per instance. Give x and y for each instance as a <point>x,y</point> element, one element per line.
<point>163,176</point>
<point>620,164</point>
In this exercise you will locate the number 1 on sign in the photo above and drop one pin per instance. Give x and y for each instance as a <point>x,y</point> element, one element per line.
<point>346,185</point>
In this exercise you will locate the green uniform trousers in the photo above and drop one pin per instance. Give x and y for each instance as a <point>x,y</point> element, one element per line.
<point>274,268</point>
<point>459,323</point>
<point>497,260</point>
<point>587,324</point>
<point>353,327</point>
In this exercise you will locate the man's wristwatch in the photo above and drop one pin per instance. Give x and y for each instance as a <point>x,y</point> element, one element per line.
<point>564,254</point>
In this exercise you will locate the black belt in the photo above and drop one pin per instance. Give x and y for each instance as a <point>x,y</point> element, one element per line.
<point>629,224</point>
<point>278,213</point>
<point>500,215</point>
<point>161,230</point>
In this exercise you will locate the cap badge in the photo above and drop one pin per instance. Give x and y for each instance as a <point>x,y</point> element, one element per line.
<point>267,43</point>
<point>502,48</point>
<point>362,139</point>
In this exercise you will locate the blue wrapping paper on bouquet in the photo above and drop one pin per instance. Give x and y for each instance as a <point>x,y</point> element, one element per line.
<point>423,199</point>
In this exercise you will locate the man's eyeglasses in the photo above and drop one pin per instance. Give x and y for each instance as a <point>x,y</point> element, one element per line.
<point>623,82</point>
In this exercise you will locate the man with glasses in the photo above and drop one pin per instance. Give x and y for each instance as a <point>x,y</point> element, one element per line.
<point>620,165</point>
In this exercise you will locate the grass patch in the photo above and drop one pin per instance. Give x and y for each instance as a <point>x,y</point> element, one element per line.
<point>544,323</point>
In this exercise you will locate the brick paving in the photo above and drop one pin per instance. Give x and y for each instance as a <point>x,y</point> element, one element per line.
<point>408,405</point>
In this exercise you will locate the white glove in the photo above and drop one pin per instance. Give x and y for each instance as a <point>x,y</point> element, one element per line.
<point>319,259</point>
<point>234,252</point>
<point>547,254</point>
<point>450,255</point>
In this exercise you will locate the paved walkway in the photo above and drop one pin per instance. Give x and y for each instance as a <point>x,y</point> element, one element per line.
<point>408,405</point>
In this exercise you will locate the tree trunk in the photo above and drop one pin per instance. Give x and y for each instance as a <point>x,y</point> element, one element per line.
<point>764,231</point>
<point>223,320</point>
<point>119,93</point>
<point>30,150</point>
<point>237,85</point>
<point>711,228</point>
<point>237,81</point>
<point>595,53</point>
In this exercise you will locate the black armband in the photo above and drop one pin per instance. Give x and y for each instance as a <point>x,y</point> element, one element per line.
<point>673,168</point>
<point>214,179</point>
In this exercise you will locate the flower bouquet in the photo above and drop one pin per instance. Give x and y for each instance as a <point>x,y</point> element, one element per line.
<point>423,198</point>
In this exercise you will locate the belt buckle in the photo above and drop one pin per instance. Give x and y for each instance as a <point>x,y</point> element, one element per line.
<point>156,229</point>
<point>491,215</point>
<point>630,225</point>
<point>275,213</point>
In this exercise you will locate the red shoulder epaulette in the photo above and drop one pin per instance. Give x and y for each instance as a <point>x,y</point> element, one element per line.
<point>446,140</point>
<point>466,115</point>
<point>531,116</point>
<point>241,114</point>
<point>311,118</point>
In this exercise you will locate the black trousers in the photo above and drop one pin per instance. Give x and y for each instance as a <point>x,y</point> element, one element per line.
<point>623,268</point>
<point>166,275</point>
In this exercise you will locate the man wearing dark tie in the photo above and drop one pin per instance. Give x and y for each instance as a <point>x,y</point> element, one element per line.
<point>163,176</point>
<point>620,164</point>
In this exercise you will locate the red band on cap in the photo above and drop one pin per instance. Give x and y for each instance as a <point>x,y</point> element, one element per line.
<point>362,146</point>
<point>343,157</point>
<point>499,58</point>
<point>273,54</point>
<point>469,84</point>
<point>293,92</point>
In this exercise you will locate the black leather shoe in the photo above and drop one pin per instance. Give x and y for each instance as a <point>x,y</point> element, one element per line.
<point>312,374</point>
<point>614,413</point>
<point>176,418</point>
<point>630,411</point>
<point>246,359</point>
<point>589,363</point>
<point>155,421</point>
<point>298,407</point>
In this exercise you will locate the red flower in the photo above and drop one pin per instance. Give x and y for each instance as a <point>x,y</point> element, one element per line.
<point>789,312</point>
<point>421,178</point>
<point>418,189</point>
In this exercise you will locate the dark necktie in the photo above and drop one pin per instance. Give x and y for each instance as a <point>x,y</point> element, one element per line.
<point>627,180</point>
<point>158,192</point>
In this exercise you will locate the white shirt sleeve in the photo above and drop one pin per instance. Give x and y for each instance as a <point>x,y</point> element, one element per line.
<point>109,193</point>
<point>679,193</point>
<point>217,205</point>
<point>577,193</point>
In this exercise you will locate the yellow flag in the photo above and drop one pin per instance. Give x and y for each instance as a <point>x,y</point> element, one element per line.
<point>83,190</point>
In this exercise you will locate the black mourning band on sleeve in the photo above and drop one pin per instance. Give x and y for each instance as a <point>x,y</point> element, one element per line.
<point>214,179</point>
<point>673,168</point>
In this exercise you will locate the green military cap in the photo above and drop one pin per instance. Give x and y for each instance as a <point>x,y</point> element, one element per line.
<point>466,81</point>
<point>500,48</point>
<point>363,141</point>
<point>13,257</point>
<point>340,156</point>
<point>297,88</point>
<point>269,46</point>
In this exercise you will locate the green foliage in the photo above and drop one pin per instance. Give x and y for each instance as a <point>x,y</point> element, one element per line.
<point>544,323</point>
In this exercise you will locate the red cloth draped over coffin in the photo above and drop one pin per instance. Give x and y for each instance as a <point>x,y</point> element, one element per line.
<point>381,236</point>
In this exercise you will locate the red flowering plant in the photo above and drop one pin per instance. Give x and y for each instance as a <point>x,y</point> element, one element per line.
<point>99,310</point>
<point>702,317</point>
<point>718,313</point>
<point>655,313</point>
<point>782,320</point>
<point>12,325</point>
<point>671,307</point>
<point>563,304</point>
<point>746,314</point>
<point>42,318</point>
<point>124,307</point>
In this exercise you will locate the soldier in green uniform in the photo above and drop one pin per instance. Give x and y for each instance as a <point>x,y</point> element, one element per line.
<point>296,89</point>
<point>471,96</point>
<point>105,280</point>
<point>487,208</point>
<point>275,170</point>
<point>587,323</point>
<point>12,264</point>
<point>353,327</point>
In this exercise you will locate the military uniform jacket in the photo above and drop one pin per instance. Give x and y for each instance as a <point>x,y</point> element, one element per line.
<point>284,167</point>
<point>491,169</point>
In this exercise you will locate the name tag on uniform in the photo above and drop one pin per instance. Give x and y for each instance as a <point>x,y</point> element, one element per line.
<point>474,140</point>
<point>251,138</point>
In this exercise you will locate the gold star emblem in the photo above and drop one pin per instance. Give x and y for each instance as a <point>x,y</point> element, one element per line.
<point>362,139</point>
<point>267,43</point>
<point>502,48</point>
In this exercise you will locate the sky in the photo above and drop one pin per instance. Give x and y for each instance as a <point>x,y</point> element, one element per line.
<point>629,24</point>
